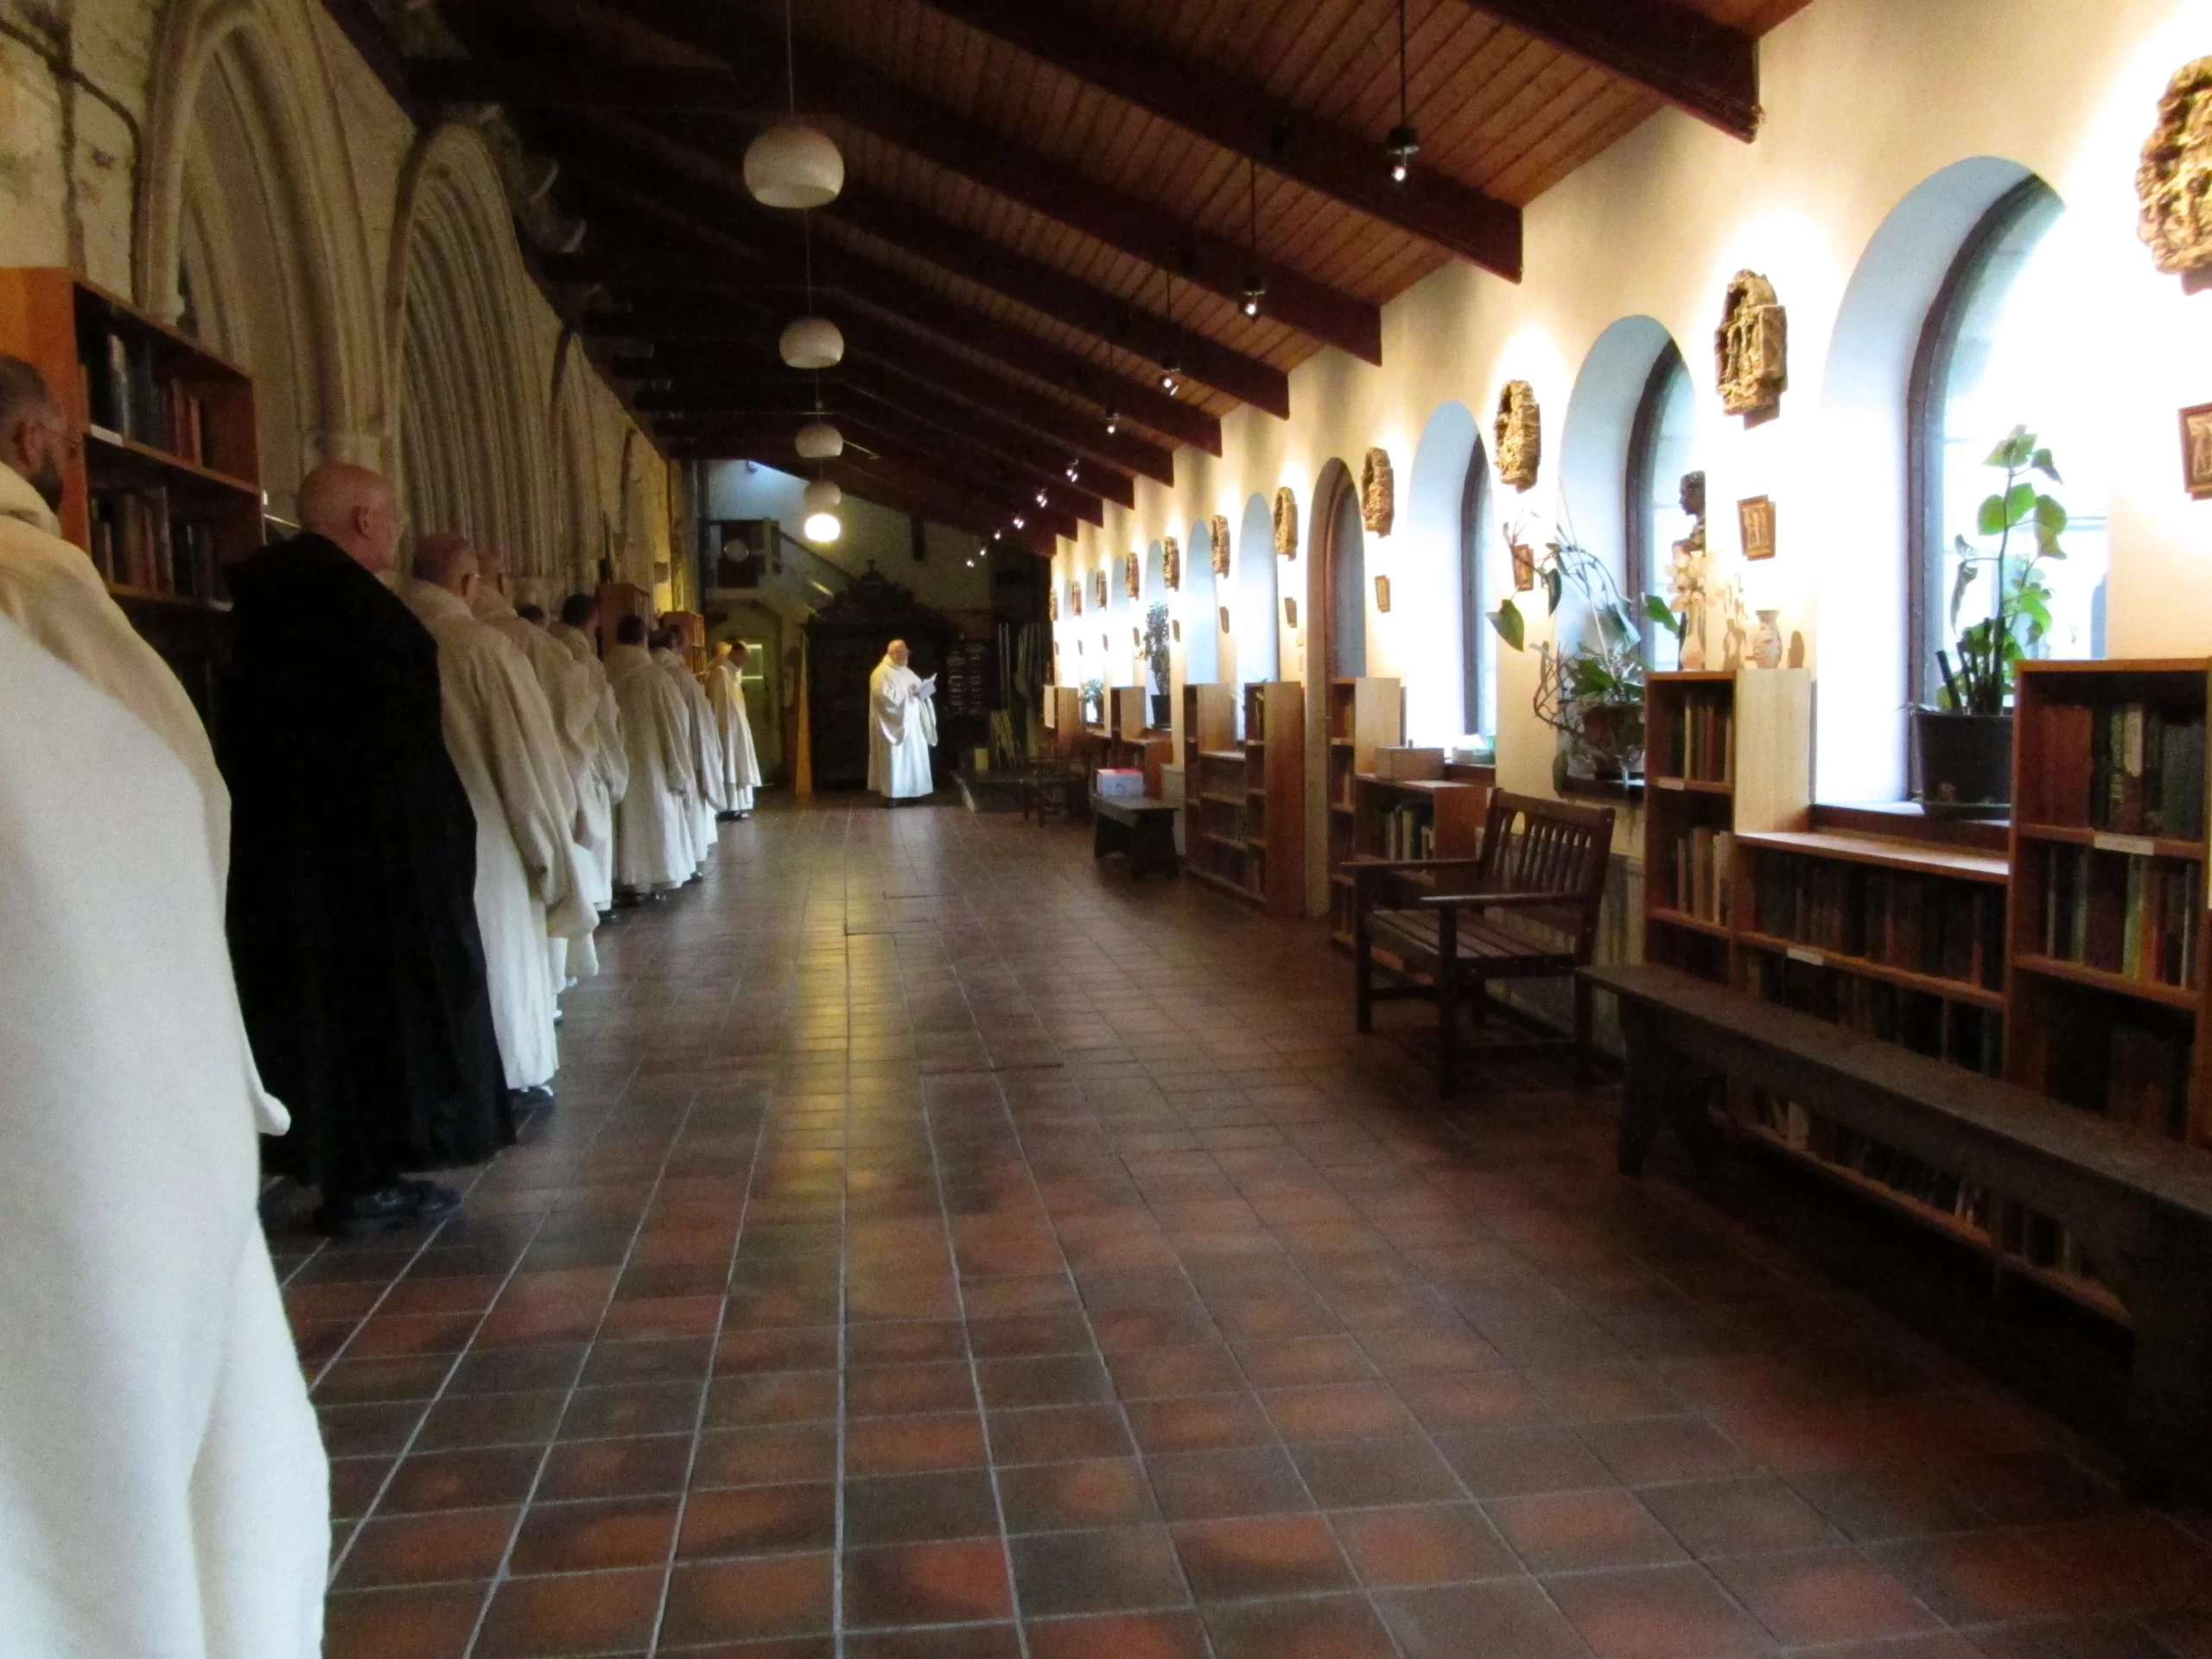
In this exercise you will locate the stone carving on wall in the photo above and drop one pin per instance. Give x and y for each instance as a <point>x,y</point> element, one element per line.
<point>1751,349</point>
<point>1519,434</point>
<point>1098,587</point>
<point>1286,523</point>
<point>1132,575</point>
<point>1378,493</point>
<point>1051,604</point>
<point>1217,543</point>
<point>2174,179</point>
<point>1075,597</point>
<point>1171,563</point>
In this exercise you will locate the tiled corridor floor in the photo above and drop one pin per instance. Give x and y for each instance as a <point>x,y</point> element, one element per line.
<point>943,1248</point>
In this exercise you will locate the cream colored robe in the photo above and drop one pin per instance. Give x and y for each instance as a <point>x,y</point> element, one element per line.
<point>653,848</point>
<point>901,731</point>
<point>163,1492</point>
<point>610,772</point>
<point>740,767</point>
<point>708,795</point>
<point>529,885</point>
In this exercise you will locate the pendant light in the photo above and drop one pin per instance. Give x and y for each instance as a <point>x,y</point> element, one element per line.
<point>1171,364</point>
<point>791,164</point>
<point>1255,280</point>
<point>811,343</point>
<point>819,441</point>
<point>1403,144</point>
<point>820,500</point>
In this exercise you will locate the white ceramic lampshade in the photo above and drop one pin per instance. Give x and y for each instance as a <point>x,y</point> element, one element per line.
<point>822,527</point>
<point>819,441</point>
<point>823,496</point>
<point>812,343</point>
<point>793,166</point>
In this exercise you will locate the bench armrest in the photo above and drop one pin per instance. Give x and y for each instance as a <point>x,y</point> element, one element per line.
<point>1364,861</point>
<point>1496,901</point>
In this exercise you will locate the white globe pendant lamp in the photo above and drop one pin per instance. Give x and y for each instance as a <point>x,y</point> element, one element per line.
<point>819,441</point>
<point>811,343</point>
<point>822,496</point>
<point>793,165</point>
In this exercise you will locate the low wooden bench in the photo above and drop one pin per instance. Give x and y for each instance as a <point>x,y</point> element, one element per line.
<point>2140,1204</point>
<point>1139,825</point>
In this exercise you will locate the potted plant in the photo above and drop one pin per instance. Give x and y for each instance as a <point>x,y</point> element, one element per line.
<point>1591,692</point>
<point>1964,742</point>
<point>1094,701</point>
<point>1155,656</point>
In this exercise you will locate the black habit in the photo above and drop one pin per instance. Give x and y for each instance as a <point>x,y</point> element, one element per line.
<point>352,914</point>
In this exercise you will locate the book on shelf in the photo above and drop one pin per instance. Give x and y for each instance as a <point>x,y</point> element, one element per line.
<point>135,544</point>
<point>2129,1064</point>
<point>1407,832</point>
<point>2146,772</point>
<point>124,396</point>
<point>1704,865</point>
<point>2123,914</point>
<point>1704,750</point>
<point>1924,924</point>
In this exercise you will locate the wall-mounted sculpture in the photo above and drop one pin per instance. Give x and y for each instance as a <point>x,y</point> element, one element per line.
<point>1378,493</point>
<point>1052,604</point>
<point>1171,563</point>
<point>2174,179</point>
<point>1098,588</point>
<point>1286,523</point>
<point>1518,432</point>
<point>1217,543</point>
<point>1751,350</point>
<point>1075,597</point>
<point>1132,575</point>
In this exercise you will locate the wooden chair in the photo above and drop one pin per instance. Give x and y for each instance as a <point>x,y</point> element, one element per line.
<point>1524,908</point>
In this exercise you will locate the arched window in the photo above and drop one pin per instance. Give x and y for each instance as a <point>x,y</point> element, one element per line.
<point>1658,454</point>
<point>1478,645</point>
<point>1347,557</point>
<point>2001,347</point>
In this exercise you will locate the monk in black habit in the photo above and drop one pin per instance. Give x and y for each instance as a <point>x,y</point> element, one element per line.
<point>352,915</point>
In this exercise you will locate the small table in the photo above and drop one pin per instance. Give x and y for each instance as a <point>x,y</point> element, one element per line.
<point>1137,825</point>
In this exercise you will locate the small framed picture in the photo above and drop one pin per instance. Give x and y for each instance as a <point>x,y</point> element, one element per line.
<point>2196,451</point>
<point>1524,567</point>
<point>1755,518</point>
<point>1290,612</point>
<point>1224,619</point>
<point>1382,594</point>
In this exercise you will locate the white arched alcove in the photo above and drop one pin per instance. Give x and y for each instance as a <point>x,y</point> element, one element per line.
<point>1200,609</point>
<point>1859,557</point>
<point>1594,442</point>
<point>1254,618</point>
<point>1426,602</point>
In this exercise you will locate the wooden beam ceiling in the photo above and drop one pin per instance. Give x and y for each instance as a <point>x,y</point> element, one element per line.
<point>1698,65</point>
<point>1239,115</point>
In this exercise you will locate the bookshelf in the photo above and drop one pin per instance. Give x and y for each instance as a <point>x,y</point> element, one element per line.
<point>1063,719</point>
<point>160,483</point>
<point>1405,817</point>
<point>1246,802</point>
<point>1363,715</point>
<point>1130,742</point>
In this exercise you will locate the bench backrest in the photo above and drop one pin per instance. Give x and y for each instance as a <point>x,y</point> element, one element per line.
<point>1533,845</point>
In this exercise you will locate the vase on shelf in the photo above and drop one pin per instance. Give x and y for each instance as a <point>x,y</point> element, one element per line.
<point>1766,647</point>
<point>1694,638</point>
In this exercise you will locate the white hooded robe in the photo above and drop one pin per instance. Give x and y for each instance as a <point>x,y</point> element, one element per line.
<point>609,777</point>
<point>163,1492</point>
<point>708,795</point>
<point>529,883</point>
<point>740,767</point>
<point>653,827</point>
<point>901,731</point>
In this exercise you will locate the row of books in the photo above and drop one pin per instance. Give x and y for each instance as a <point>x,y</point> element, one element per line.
<point>2121,1060</point>
<point>1924,924</point>
<point>2123,914</point>
<point>135,544</point>
<point>1699,738</point>
<point>1703,864</point>
<point>1920,1020</point>
<point>1407,831</point>
<point>124,394</point>
<point>2146,772</point>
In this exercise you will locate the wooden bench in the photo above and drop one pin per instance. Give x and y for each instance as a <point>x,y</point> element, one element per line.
<point>2141,1205</point>
<point>1524,908</point>
<point>1050,786</point>
<point>1137,825</point>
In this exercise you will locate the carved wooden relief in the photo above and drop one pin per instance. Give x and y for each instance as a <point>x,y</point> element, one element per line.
<point>1286,523</point>
<point>1098,587</point>
<point>1518,432</point>
<point>1132,575</point>
<point>2174,179</point>
<point>1378,493</point>
<point>1052,604</point>
<point>1075,597</point>
<point>1751,349</point>
<point>1171,563</point>
<point>1217,543</point>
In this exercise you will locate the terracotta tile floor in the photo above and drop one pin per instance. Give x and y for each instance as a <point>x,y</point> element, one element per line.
<point>943,1247</point>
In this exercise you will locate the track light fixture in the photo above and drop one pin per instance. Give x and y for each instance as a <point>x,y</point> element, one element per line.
<point>1403,144</point>
<point>1170,365</point>
<point>1255,281</point>
<point>1074,469</point>
<point>1021,523</point>
<point>1113,422</point>
<point>1042,498</point>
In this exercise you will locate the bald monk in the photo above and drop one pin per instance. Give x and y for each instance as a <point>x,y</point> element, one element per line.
<point>568,700</point>
<point>500,733</point>
<point>352,909</point>
<point>901,728</point>
<point>725,688</point>
<point>653,849</point>
<point>707,791</point>
<point>610,776</point>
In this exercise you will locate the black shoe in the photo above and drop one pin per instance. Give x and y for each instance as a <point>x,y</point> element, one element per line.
<point>385,1211</point>
<point>526,1099</point>
<point>433,1201</point>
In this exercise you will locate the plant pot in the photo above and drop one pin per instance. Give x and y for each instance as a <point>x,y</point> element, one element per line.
<point>1965,763</point>
<point>1613,733</point>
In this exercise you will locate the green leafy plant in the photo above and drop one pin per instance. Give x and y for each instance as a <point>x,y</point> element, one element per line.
<point>1585,690</point>
<point>1989,650</point>
<point>1094,701</point>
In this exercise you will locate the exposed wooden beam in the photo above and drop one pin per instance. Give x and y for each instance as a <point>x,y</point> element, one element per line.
<point>572,81</point>
<point>1701,67</point>
<point>900,301</point>
<point>1240,115</point>
<point>827,80</point>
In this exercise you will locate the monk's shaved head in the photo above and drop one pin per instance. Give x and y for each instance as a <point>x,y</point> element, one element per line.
<point>354,507</point>
<point>448,560</point>
<point>492,567</point>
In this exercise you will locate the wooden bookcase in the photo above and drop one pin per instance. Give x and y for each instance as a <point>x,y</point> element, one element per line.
<point>1063,720</point>
<point>1394,817</point>
<point>1363,715</point>
<point>160,483</point>
<point>1129,742</point>
<point>1247,801</point>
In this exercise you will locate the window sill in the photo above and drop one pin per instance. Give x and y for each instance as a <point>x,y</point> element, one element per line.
<point>1596,789</point>
<point>1909,821</point>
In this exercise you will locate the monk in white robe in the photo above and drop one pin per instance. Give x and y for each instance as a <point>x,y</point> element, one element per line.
<point>568,698</point>
<point>499,736</point>
<point>901,727</point>
<point>610,773</point>
<point>725,689</point>
<point>163,1492</point>
<point>653,848</point>
<point>707,792</point>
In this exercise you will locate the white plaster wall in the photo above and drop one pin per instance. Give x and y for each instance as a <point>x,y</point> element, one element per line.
<point>1865,99</point>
